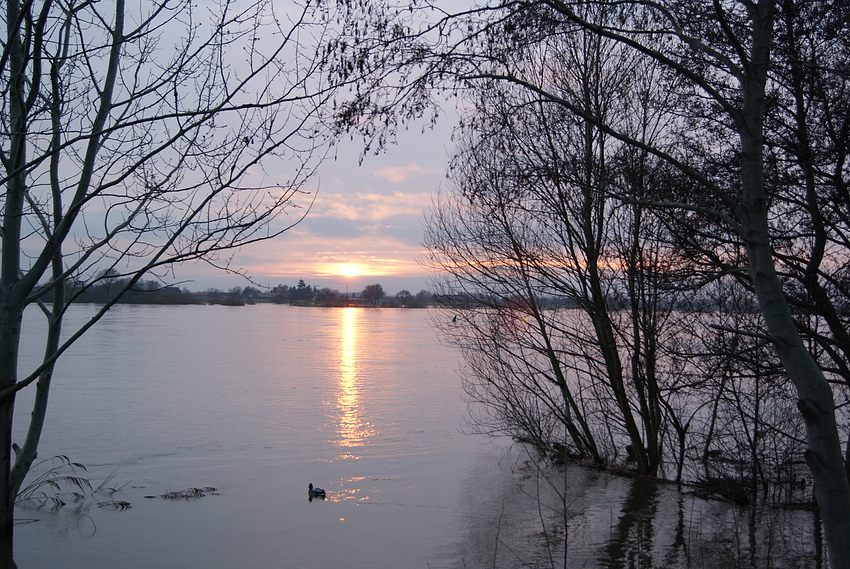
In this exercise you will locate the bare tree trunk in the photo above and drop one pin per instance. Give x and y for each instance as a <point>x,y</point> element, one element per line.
<point>11,305</point>
<point>816,403</point>
<point>10,330</point>
<point>614,367</point>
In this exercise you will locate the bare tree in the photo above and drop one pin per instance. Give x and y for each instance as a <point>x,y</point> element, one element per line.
<point>404,297</point>
<point>373,294</point>
<point>724,70</point>
<point>531,231</point>
<point>136,136</point>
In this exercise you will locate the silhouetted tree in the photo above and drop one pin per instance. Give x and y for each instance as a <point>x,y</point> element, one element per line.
<point>372,294</point>
<point>250,292</point>
<point>423,297</point>
<point>118,157</point>
<point>301,293</point>
<point>404,297</point>
<point>330,297</point>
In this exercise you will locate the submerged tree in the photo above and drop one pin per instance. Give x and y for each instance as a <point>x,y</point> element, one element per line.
<point>531,228</point>
<point>136,136</point>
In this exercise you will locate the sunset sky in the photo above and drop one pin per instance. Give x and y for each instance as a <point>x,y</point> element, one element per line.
<point>365,227</point>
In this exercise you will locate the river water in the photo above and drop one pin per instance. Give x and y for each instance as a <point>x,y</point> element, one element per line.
<point>259,401</point>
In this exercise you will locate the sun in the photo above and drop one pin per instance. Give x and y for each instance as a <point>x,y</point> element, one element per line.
<point>350,270</point>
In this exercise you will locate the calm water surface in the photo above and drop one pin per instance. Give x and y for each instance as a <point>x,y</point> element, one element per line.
<point>259,401</point>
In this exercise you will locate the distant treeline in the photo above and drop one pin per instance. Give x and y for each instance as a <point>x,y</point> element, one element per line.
<point>372,295</point>
<point>302,294</point>
<point>143,292</point>
<point>104,288</point>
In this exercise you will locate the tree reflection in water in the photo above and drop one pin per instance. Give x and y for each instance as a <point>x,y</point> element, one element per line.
<point>635,528</point>
<point>526,514</point>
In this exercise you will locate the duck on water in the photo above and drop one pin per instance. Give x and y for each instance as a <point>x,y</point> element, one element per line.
<point>315,492</point>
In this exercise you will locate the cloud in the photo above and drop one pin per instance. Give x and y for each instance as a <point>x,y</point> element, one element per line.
<point>370,206</point>
<point>398,174</point>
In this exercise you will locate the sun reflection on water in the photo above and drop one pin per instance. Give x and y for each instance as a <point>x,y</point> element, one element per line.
<point>352,428</point>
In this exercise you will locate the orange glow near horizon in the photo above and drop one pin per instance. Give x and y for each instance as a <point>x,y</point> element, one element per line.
<point>354,270</point>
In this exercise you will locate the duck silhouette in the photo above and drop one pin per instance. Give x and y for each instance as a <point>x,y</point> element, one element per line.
<point>315,492</point>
